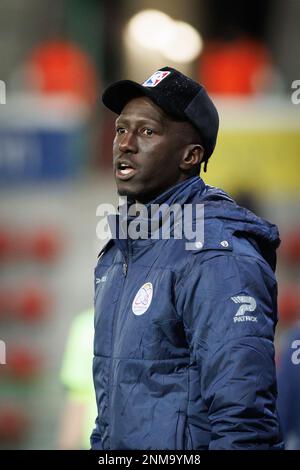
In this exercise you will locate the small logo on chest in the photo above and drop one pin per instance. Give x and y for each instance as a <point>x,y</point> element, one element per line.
<point>143,299</point>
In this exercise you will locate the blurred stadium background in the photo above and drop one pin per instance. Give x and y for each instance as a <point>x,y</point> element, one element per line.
<point>55,168</point>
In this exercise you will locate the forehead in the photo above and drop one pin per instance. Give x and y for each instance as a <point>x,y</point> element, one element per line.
<point>143,108</point>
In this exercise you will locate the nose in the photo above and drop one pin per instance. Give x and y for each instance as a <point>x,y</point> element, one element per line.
<point>127,143</point>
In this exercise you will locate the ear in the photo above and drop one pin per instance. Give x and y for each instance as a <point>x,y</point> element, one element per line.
<point>192,156</point>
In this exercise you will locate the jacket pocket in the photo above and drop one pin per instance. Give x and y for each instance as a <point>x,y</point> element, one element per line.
<point>180,431</point>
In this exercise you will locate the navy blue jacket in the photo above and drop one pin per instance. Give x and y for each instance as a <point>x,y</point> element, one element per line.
<point>183,351</point>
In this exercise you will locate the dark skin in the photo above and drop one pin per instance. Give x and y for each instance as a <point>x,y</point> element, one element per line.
<point>158,151</point>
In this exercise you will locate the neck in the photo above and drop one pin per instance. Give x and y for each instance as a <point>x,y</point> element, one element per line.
<point>151,199</point>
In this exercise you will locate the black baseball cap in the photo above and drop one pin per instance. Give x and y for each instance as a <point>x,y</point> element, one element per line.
<point>177,95</point>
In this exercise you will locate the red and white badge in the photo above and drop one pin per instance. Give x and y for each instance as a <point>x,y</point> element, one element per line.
<point>156,78</point>
<point>143,299</point>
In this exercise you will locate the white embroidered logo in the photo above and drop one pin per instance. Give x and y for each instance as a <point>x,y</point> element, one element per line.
<point>248,305</point>
<point>101,279</point>
<point>156,78</point>
<point>143,299</point>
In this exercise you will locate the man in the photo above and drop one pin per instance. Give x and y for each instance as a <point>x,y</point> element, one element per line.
<point>184,328</point>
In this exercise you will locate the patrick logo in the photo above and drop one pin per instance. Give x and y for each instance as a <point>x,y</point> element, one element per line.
<point>143,299</point>
<point>156,78</point>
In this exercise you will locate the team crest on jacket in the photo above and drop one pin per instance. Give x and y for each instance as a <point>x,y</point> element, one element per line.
<point>156,78</point>
<point>143,299</point>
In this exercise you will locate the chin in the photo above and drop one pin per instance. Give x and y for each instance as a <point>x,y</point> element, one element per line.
<point>124,188</point>
<point>141,197</point>
<point>126,192</point>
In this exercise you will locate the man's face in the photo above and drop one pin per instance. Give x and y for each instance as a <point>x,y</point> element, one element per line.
<point>147,150</point>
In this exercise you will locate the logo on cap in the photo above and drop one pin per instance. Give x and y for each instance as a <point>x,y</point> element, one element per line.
<point>156,78</point>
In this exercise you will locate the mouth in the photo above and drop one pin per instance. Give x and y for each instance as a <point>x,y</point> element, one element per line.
<point>124,171</point>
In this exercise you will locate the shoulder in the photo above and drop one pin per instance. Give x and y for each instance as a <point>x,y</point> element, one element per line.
<point>106,247</point>
<point>107,252</point>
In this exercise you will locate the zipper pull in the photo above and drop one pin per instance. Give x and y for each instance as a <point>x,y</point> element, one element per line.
<point>125,267</point>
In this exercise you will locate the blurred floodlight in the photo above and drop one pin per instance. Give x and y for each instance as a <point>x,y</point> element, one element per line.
<point>183,45</point>
<point>175,40</point>
<point>150,28</point>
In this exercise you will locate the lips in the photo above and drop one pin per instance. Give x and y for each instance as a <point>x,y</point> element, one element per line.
<point>124,170</point>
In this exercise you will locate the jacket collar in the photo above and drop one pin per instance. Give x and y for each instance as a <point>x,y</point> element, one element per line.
<point>178,194</point>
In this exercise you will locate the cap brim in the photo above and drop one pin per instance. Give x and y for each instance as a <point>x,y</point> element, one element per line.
<point>117,95</point>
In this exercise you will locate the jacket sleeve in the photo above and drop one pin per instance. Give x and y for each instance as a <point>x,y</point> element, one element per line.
<point>228,305</point>
<point>96,443</point>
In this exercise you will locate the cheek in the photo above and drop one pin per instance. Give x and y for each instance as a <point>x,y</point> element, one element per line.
<point>115,144</point>
<point>156,172</point>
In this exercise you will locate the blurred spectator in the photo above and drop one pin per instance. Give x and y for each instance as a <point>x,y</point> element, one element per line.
<point>76,375</point>
<point>62,67</point>
<point>244,67</point>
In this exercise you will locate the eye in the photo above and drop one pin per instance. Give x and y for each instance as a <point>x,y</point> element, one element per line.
<point>120,130</point>
<point>147,131</point>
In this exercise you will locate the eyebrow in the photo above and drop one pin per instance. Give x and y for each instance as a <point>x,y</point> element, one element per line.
<point>141,120</point>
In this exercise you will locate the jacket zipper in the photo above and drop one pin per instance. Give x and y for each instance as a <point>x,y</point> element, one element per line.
<point>125,270</point>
